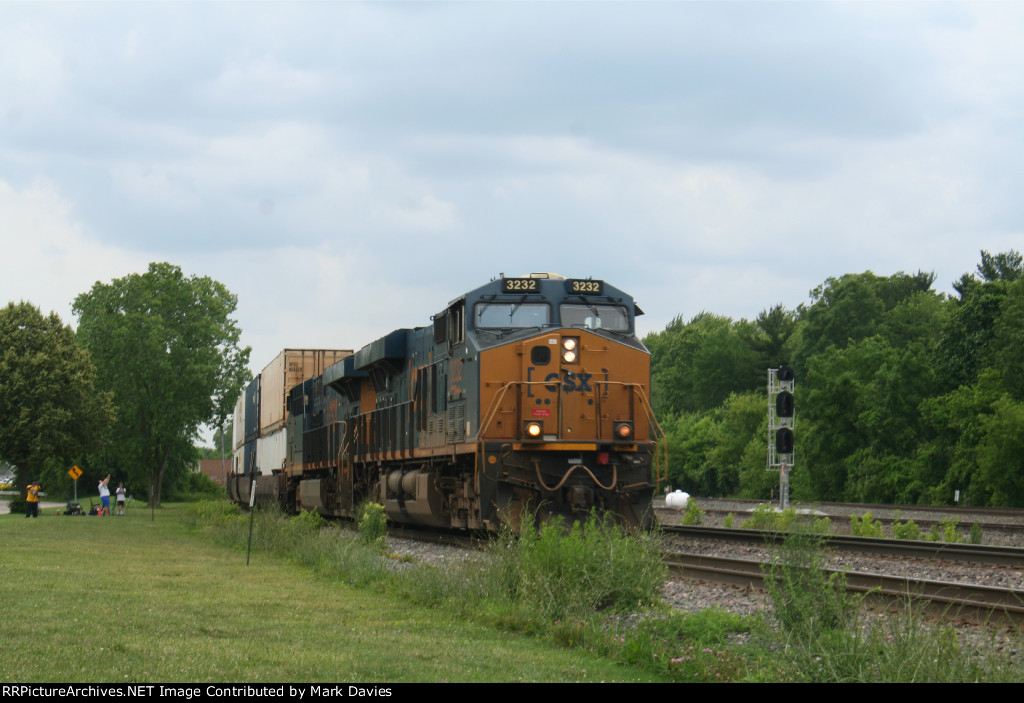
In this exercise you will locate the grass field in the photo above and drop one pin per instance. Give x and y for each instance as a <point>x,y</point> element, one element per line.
<point>87,599</point>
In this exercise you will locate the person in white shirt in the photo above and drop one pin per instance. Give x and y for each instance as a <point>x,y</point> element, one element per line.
<point>120,492</point>
<point>105,496</point>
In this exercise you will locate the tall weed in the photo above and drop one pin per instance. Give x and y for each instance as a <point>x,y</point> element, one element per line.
<point>373,525</point>
<point>865,526</point>
<point>693,515</point>
<point>806,600</point>
<point>769,519</point>
<point>904,530</point>
<point>211,512</point>
<point>591,566</point>
<point>686,647</point>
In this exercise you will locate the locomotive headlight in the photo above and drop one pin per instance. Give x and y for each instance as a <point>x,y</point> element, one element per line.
<point>569,349</point>
<point>533,429</point>
<point>623,431</point>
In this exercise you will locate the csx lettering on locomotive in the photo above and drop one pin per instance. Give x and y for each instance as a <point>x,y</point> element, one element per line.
<point>526,393</point>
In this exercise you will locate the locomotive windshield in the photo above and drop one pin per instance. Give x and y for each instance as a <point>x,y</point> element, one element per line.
<point>592,317</point>
<point>506,315</point>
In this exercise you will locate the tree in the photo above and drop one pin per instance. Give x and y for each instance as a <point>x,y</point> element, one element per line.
<point>966,340</point>
<point>695,366</point>
<point>167,348</point>
<point>50,410</point>
<point>851,308</point>
<point>1008,342</point>
<point>770,336</point>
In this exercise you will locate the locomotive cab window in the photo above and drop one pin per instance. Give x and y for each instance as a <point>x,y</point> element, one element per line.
<point>595,317</point>
<point>456,315</point>
<point>511,315</point>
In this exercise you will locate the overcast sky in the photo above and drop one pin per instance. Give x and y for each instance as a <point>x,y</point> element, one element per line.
<point>348,168</point>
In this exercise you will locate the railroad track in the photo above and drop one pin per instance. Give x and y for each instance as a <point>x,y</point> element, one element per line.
<point>1009,521</point>
<point>453,538</point>
<point>976,553</point>
<point>982,604</point>
<point>907,511</point>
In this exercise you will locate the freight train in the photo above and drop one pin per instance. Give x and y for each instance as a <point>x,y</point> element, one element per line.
<point>527,393</point>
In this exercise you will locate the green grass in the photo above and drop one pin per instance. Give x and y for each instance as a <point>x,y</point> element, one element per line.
<point>87,599</point>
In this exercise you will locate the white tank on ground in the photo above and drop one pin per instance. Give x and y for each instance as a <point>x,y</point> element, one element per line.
<point>677,499</point>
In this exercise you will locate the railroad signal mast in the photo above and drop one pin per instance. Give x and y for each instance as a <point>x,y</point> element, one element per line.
<point>781,420</point>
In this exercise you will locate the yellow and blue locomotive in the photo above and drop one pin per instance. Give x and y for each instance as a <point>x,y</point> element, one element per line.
<point>528,393</point>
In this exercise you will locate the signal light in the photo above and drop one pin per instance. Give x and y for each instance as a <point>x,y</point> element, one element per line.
<point>533,429</point>
<point>784,441</point>
<point>784,404</point>
<point>623,431</point>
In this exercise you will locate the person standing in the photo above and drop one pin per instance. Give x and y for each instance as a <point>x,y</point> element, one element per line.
<point>105,496</point>
<point>120,492</point>
<point>32,499</point>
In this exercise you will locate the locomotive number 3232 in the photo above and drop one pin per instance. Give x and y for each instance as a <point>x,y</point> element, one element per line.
<point>520,284</point>
<point>578,286</point>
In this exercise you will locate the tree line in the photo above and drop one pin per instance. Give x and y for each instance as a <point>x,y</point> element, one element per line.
<point>155,357</point>
<point>903,394</point>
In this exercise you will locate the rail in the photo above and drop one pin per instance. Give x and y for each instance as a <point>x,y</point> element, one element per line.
<point>983,604</point>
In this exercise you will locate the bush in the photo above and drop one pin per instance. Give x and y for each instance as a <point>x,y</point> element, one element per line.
<point>949,530</point>
<point>306,523</point>
<point>693,515</point>
<point>766,517</point>
<point>373,525</point>
<point>592,566</point>
<point>865,527</point>
<point>211,512</point>
<point>905,530</point>
<point>806,600</point>
<point>195,486</point>
<point>976,534</point>
<point>686,647</point>
<point>904,647</point>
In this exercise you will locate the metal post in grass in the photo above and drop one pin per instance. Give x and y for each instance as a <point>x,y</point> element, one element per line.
<point>152,502</point>
<point>252,516</point>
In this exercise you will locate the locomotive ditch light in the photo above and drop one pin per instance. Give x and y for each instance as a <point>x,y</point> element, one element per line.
<point>623,431</point>
<point>533,430</point>
<point>569,349</point>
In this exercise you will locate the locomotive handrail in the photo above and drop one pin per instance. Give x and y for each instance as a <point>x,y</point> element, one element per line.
<point>654,421</point>
<point>637,389</point>
<point>495,403</point>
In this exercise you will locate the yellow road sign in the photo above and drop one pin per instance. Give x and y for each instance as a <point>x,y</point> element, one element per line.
<point>75,472</point>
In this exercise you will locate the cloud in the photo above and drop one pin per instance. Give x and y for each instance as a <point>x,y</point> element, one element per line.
<point>48,257</point>
<point>348,168</point>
